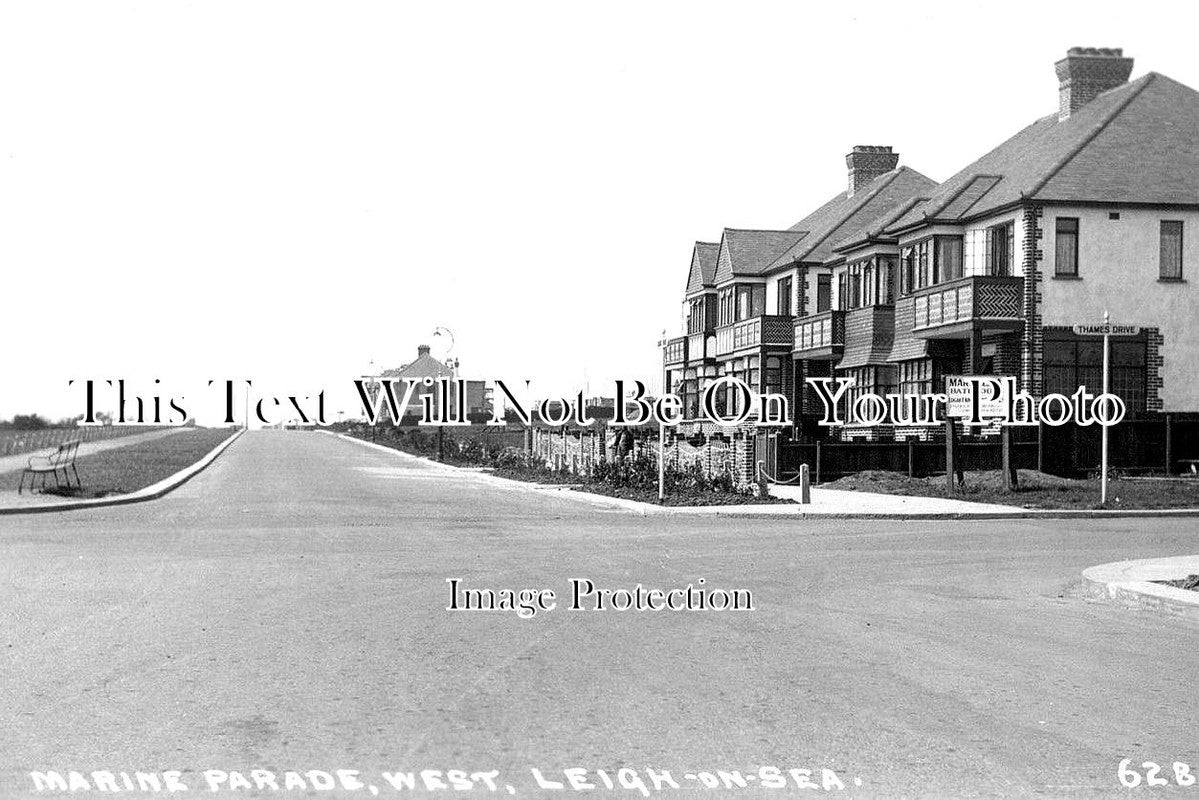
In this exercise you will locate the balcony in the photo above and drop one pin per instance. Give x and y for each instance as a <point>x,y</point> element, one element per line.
<point>674,352</point>
<point>820,337</point>
<point>753,333</point>
<point>954,309</point>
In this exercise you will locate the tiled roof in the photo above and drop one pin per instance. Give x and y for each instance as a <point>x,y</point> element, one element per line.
<point>750,253</point>
<point>874,328</point>
<point>1136,143</point>
<point>423,367</point>
<point>843,214</point>
<point>874,231</point>
<point>703,266</point>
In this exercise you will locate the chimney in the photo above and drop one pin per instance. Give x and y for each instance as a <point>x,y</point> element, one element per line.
<point>867,162</point>
<point>1087,72</point>
<point>422,350</point>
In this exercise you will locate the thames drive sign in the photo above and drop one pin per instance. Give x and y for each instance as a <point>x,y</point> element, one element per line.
<point>1106,329</point>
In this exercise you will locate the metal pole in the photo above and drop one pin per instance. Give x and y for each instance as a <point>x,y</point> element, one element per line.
<point>661,461</point>
<point>1103,465</point>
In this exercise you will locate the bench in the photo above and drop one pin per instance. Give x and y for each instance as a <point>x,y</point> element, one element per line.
<point>62,459</point>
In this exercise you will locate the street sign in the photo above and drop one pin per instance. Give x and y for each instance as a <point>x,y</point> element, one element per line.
<point>959,397</point>
<point>1107,330</point>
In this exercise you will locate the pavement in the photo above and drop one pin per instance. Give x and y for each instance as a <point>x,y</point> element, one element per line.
<point>825,503</point>
<point>21,460</point>
<point>1136,583</point>
<point>286,609</point>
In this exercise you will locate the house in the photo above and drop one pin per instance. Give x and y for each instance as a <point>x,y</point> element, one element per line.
<point>478,395</point>
<point>899,281</point>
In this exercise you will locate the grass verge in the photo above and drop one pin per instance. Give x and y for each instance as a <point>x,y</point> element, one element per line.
<point>636,480</point>
<point>1037,490</point>
<point>126,469</point>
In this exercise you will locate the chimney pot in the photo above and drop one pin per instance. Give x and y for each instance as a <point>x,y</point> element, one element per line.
<point>1087,72</point>
<point>868,161</point>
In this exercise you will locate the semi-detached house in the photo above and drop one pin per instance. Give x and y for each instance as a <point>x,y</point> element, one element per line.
<point>899,281</point>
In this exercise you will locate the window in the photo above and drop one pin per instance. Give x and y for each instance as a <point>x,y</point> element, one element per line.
<point>842,292</point>
<point>886,272</point>
<point>1065,261</point>
<point>784,308</point>
<point>774,375</point>
<point>751,301</point>
<point>924,276</point>
<point>695,315</point>
<point>907,273</point>
<point>868,380</point>
<point>1000,241</point>
<point>1072,361</point>
<point>824,293</point>
<point>868,283</point>
<point>916,377</point>
<point>949,259</point>
<point>726,306</point>
<point>1171,255</point>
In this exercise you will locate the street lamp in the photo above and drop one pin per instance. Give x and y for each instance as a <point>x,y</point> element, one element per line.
<point>452,363</point>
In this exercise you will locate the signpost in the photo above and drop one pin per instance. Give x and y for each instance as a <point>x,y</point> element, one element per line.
<point>1107,331</point>
<point>960,391</point>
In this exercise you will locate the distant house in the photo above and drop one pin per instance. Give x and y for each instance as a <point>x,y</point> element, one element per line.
<point>478,396</point>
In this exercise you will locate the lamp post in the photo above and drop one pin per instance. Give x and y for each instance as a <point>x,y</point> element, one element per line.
<point>1106,356</point>
<point>662,432</point>
<point>452,363</point>
<point>373,381</point>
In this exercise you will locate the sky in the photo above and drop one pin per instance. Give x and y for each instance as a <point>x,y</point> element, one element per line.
<point>298,193</point>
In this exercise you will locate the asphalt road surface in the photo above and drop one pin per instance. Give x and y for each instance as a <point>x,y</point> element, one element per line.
<point>286,610</point>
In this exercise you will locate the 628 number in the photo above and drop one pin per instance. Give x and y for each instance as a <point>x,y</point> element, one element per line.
<point>1131,778</point>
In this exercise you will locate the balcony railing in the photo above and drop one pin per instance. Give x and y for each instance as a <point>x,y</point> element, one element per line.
<point>754,332</point>
<point>820,335</point>
<point>967,300</point>
<point>675,351</point>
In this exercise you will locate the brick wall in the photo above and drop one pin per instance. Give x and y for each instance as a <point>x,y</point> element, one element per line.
<point>1007,353</point>
<point>1031,345</point>
<point>1154,365</point>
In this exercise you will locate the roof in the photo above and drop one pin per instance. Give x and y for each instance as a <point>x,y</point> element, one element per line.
<point>750,253</point>
<point>845,213</point>
<point>1135,143</point>
<point>874,231</point>
<point>425,366</point>
<point>703,266</point>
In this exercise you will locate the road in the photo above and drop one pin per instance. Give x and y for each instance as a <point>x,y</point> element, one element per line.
<point>285,610</point>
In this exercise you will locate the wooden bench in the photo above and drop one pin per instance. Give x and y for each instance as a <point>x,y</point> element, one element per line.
<point>62,459</point>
